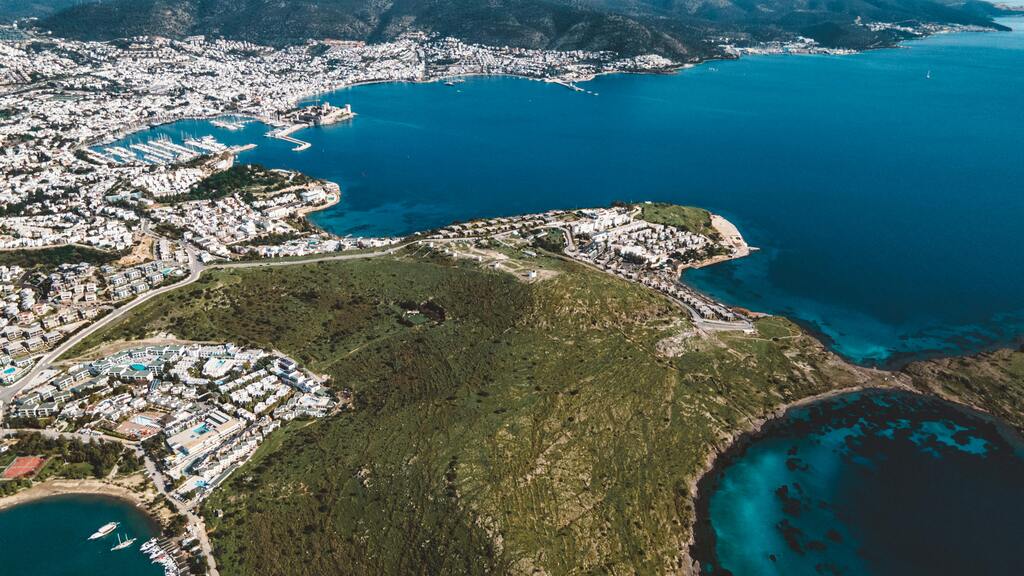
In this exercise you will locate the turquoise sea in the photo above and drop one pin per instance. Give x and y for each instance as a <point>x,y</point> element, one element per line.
<point>888,206</point>
<point>875,483</point>
<point>49,537</point>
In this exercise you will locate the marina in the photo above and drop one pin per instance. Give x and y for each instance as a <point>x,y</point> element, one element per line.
<point>158,151</point>
<point>227,124</point>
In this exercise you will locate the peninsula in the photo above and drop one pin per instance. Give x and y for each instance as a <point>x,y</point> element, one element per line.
<point>501,378</point>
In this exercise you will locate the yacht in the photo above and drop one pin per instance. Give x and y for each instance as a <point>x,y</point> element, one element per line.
<point>104,530</point>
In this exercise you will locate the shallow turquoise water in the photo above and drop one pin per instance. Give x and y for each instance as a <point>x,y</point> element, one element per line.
<point>869,484</point>
<point>888,206</point>
<point>50,538</point>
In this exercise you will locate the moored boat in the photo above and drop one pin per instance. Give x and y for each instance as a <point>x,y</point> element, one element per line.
<point>122,544</point>
<point>104,530</point>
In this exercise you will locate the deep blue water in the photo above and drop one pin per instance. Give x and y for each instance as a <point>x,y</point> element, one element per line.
<point>49,538</point>
<point>888,206</point>
<point>873,484</point>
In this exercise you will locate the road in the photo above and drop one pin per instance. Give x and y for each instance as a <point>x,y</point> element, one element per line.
<point>6,394</point>
<point>53,434</point>
<point>196,270</point>
<point>343,256</point>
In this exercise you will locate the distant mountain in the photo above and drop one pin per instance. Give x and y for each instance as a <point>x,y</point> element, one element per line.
<point>11,10</point>
<point>681,29</point>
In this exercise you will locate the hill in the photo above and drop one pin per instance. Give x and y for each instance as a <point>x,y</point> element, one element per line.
<point>681,29</point>
<point>552,426</point>
<point>11,10</point>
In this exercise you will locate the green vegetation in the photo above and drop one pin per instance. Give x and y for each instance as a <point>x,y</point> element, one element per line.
<point>993,382</point>
<point>245,179</point>
<point>551,240</point>
<point>69,458</point>
<point>276,238</point>
<point>528,426</point>
<point>696,220</point>
<point>48,258</point>
<point>680,30</point>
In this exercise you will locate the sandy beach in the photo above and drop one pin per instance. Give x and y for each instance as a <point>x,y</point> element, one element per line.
<point>59,487</point>
<point>731,237</point>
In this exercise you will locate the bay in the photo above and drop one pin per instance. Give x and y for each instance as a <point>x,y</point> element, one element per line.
<point>872,483</point>
<point>49,537</point>
<point>884,189</point>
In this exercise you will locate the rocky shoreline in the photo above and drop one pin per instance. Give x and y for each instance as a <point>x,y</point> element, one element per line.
<point>734,446</point>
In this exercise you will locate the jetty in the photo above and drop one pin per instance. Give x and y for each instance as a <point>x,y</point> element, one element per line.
<point>570,86</point>
<point>286,135</point>
<point>243,148</point>
<point>309,116</point>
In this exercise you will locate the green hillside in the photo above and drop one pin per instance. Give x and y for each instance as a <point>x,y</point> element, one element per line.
<point>553,426</point>
<point>685,30</point>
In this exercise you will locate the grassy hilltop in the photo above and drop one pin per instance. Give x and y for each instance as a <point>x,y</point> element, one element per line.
<point>553,426</point>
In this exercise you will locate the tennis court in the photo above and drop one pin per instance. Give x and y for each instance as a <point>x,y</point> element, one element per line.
<point>23,467</point>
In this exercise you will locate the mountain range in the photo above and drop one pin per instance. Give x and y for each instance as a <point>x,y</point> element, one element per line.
<point>684,30</point>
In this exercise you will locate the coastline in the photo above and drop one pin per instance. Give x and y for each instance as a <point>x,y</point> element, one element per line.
<point>720,456</point>
<point>333,198</point>
<point>702,486</point>
<point>670,69</point>
<point>731,237</point>
<point>84,487</point>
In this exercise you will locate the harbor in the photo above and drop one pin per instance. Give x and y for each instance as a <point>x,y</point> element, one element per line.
<point>158,151</point>
<point>306,117</point>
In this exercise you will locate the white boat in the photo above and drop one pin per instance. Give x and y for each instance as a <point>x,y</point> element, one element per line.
<point>122,544</point>
<point>104,530</point>
<point>148,545</point>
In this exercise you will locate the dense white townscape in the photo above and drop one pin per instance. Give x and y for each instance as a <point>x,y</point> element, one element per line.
<point>211,404</point>
<point>63,183</point>
<point>60,96</point>
<point>93,227</point>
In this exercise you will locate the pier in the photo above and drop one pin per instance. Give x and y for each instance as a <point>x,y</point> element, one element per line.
<point>286,135</point>
<point>571,86</point>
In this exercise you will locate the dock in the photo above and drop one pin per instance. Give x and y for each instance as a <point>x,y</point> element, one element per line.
<point>571,86</point>
<point>240,149</point>
<point>286,135</point>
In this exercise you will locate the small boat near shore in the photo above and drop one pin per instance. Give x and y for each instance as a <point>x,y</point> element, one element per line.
<point>104,530</point>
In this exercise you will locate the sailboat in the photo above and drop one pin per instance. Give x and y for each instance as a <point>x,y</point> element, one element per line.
<point>122,544</point>
<point>928,76</point>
